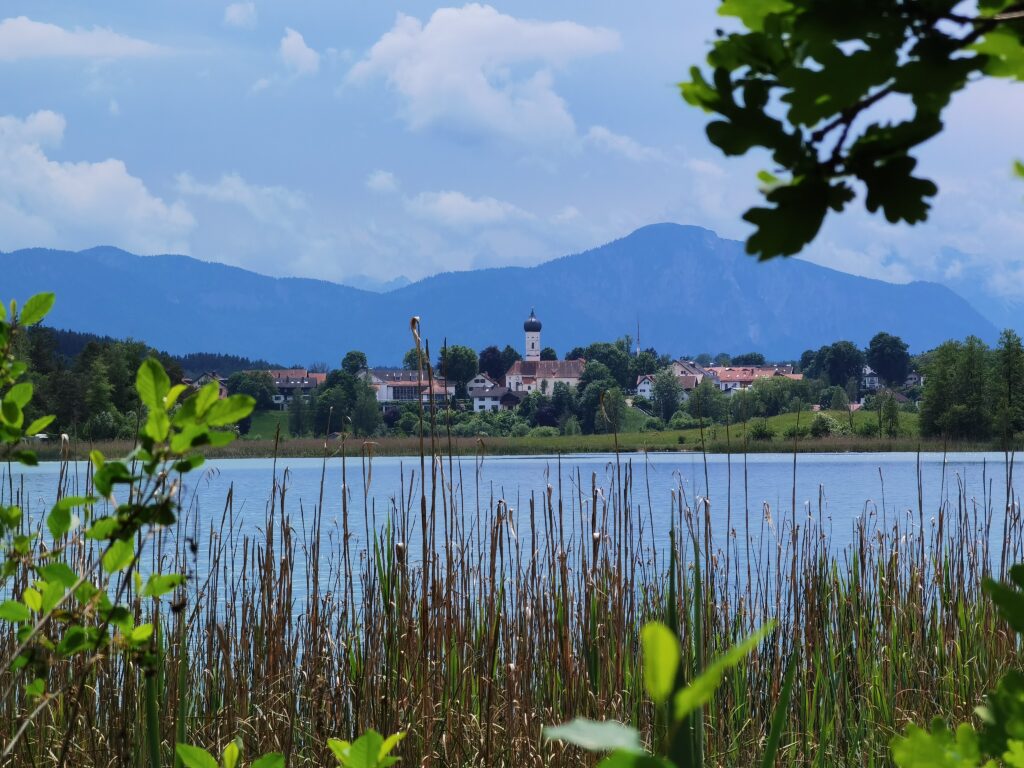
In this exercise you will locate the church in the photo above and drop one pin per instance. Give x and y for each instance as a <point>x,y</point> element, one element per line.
<point>531,374</point>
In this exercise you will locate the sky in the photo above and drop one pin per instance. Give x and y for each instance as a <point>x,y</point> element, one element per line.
<point>367,141</point>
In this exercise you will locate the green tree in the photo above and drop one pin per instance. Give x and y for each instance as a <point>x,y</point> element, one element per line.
<point>818,88</point>
<point>890,421</point>
<point>411,360</point>
<point>98,388</point>
<point>491,363</point>
<point>839,362</point>
<point>1008,384</point>
<point>509,355</point>
<point>366,417</point>
<point>707,402</point>
<point>748,358</point>
<point>611,411</point>
<point>353,362</point>
<point>887,354</point>
<point>667,392</point>
<point>722,359</point>
<point>299,417</point>
<point>332,411</point>
<point>956,402</point>
<point>548,354</point>
<point>457,364</point>
<point>259,385</point>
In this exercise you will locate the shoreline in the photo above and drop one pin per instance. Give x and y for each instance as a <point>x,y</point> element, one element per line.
<point>638,443</point>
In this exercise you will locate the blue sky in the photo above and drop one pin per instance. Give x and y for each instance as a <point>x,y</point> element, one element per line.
<point>335,139</point>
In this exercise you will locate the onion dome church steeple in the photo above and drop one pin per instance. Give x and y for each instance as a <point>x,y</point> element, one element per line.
<point>532,328</point>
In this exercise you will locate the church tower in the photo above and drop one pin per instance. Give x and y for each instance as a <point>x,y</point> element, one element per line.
<point>532,328</point>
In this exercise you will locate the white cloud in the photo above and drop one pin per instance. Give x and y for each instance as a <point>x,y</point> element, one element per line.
<point>298,58</point>
<point>265,203</point>
<point>477,70</point>
<point>382,181</point>
<point>77,204</point>
<point>602,138</point>
<point>114,108</point>
<point>457,210</point>
<point>242,15</point>
<point>23,38</point>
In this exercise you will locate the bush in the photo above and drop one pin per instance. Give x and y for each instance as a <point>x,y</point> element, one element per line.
<point>794,432</point>
<point>520,430</point>
<point>544,432</point>
<point>868,429</point>
<point>682,420</point>
<point>827,426</point>
<point>571,426</point>
<point>653,425</point>
<point>760,430</point>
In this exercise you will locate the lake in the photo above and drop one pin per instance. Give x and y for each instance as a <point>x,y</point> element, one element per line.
<point>836,489</point>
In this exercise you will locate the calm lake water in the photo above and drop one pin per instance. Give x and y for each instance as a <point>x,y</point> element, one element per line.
<point>835,488</point>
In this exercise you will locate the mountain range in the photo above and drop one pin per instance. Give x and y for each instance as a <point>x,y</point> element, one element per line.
<point>685,288</point>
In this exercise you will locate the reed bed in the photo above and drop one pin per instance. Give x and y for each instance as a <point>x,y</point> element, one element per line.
<point>472,621</point>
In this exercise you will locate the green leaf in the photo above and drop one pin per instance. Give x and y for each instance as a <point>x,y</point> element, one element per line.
<point>270,760</point>
<point>390,743</point>
<point>596,736</point>
<point>1005,53</point>
<point>365,750</point>
<point>109,474</point>
<point>32,599</point>
<point>1018,168</point>
<point>938,749</point>
<point>753,12</point>
<point>20,394</point>
<point>59,573</point>
<point>229,758</point>
<point>1014,755</point>
<point>59,521</point>
<point>661,660</point>
<point>12,610</point>
<point>119,556</point>
<point>229,410</point>
<point>699,692</point>
<point>152,384</point>
<point>195,757</point>
<point>142,633</point>
<point>159,584</point>
<point>36,308</point>
<point>36,688</point>
<point>158,424</point>
<point>634,760</point>
<point>173,394</point>
<point>206,397</point>
<point>39,425</point>
<point>339,748</point>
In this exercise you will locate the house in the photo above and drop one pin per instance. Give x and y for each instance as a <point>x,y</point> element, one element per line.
<point>201,381</point>
<point>481,381</point>
<point>869,379</point>
<point>531,374</point>
<point>687,383</point>
<point>398,385</point>
<point>292,382</point>
<point>914,379</point>
<point>645,386</point>
<point>734,379</point>
<point>495,399</point>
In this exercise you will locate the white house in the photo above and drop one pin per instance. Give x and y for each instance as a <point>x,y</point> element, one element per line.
<point>481,381</point>
<point>398,385</point>
<point>869,379</point>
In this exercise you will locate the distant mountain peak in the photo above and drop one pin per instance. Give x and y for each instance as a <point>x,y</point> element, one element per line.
<point>690,290</point>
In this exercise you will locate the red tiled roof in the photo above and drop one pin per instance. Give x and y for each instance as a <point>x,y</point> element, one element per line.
<point>547,369</point>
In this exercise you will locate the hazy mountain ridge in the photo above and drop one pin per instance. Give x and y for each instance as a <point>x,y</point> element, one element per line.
<point>690,291</point>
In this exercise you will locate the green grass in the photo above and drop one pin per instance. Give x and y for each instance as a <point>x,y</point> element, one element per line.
<point>265,423</point>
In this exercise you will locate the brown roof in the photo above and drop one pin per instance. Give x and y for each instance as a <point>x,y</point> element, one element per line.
<point>749,373</point>
<point>547,369</point>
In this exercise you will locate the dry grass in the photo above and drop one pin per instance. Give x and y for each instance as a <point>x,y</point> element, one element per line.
<point>472,624</point>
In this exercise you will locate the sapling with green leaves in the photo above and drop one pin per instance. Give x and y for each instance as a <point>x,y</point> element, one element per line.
<point>675,703</point>
<point>66,614</point>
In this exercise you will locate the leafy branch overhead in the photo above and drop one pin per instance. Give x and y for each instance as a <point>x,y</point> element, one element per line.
<point>818,84</point>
